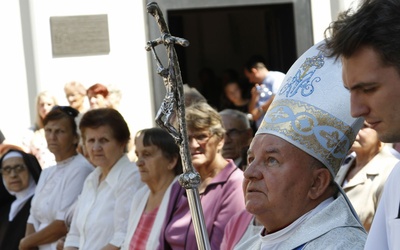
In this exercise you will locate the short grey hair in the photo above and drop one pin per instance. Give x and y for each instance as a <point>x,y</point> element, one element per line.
<point>239,115</point>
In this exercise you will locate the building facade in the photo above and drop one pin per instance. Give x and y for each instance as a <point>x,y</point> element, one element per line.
<point>48,43</point>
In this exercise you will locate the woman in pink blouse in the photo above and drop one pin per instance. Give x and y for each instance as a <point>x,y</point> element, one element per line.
<point>159,164</point>
<point>220,187</point>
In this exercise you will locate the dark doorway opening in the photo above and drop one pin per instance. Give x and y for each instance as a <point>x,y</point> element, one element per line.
<point>224,38</point>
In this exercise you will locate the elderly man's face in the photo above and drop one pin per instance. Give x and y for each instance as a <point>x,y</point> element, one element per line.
<point>277,182</point>
<point>237,137</point>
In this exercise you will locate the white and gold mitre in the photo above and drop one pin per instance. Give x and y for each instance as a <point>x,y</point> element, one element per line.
<point>311,110</point>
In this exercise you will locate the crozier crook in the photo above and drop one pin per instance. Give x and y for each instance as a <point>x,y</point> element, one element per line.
<point>172,109</point>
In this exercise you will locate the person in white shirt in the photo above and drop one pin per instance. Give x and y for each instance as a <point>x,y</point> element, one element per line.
<point>100,217</point>
<point>366,40</point>
<point>59,185</point>
<point>266,83</point>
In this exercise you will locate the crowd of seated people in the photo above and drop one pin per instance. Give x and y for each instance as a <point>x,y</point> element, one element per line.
<point>71,183</point>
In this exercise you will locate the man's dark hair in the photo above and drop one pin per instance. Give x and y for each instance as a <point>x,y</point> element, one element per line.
<point>376,24</point>
<point>255,61</point>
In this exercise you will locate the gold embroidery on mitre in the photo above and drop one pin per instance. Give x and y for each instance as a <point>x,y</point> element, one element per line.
<point>313,130</point>
<point>305,78</point>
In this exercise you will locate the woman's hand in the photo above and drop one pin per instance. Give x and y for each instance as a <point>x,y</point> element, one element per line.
<point>24,245</point>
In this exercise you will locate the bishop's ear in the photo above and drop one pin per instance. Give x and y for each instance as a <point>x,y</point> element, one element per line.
<point>321,181</point>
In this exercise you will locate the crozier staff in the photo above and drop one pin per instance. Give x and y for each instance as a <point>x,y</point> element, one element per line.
<point>173,106</point>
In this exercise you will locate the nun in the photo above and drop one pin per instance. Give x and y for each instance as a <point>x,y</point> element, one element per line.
<point>20,173</point>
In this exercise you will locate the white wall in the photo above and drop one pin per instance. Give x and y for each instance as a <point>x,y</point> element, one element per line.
<point>13,92</point>
<point>325,11</point>
<point>126,66</point>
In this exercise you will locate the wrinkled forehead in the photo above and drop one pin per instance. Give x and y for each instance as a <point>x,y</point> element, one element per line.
<point>270,143</point>
<point>229,122</point>
<point>197,131</point>
<point>264,146</point>
<point>12,161</point>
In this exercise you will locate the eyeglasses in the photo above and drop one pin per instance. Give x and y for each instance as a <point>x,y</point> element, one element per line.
<point>233,132</point>
<point>17,169</point>
<point>200,138</point>
<point>67,110</point>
